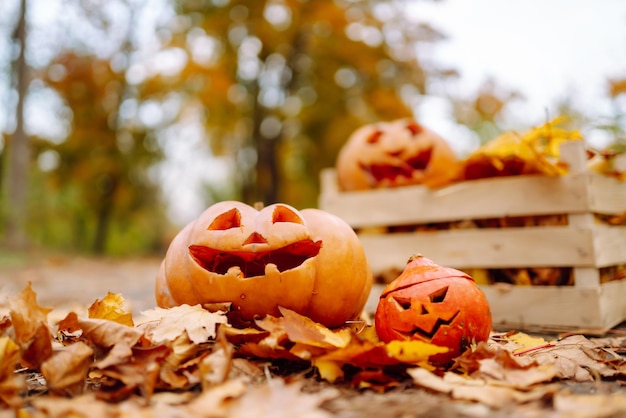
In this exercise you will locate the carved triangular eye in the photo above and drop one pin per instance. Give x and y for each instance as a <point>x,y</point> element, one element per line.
<point>284,214</point>
<point>403,303</point>
<point>227,220</point>
<point>439,295</point>
<point>414,128</point>
<point>374,137</point>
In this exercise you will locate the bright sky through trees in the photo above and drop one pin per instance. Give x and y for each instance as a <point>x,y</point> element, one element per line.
<point>547,50</point>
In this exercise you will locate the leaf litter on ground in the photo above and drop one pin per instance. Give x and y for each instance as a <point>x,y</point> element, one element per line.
<point>199,361</point>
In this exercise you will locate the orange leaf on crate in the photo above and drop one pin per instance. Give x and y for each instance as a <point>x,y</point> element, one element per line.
<point>510,154</point>
<point>608,162</point>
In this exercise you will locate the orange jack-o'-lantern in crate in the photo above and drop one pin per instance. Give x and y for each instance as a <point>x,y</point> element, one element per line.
<point>309,261</point>
<point>436,304</point>
<point>397,153</point>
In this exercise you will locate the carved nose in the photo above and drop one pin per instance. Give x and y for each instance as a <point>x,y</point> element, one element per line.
<point>395,152</point>
<point>255,238</point>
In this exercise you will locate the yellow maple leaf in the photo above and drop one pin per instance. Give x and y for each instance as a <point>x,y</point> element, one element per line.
<point>329,370</point>
<point>9,354</point>
<point>525,341</point>
<point>413,351</point>
<point>111,308</point>
<point>512,153</point>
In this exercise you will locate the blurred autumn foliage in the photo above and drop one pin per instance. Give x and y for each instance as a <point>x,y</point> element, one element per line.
<point>262,93</point>
<point>273,87</point>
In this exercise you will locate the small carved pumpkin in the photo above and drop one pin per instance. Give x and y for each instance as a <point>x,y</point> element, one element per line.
<point>436,304</point>
<point>397,153</point>
<point>308,261</point>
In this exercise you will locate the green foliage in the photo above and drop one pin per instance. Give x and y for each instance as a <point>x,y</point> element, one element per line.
<point>100,189</point>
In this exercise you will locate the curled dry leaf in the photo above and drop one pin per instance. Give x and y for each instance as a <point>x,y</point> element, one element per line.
<point>85,406</point>
<point>30,323</point>
<point>277,399</point>
<point>573,358</point>
<point>587,405</point>
<point>471,389</point>
<point>10,383</point>
<point>212,402</point>
<point>111,307</point>
<point>168,324</point>
<point>66,370</point>
<point>140,374</point>
<point>300,329</point>
<point>179,369</point>
<point>105,333</point>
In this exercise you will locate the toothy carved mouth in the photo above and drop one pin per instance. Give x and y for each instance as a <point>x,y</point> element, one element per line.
<point>404,167</point>
<point>251,263</point>
<point>439,322</point>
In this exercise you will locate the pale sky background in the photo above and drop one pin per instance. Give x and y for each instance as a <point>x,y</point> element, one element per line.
<point>546,49</point>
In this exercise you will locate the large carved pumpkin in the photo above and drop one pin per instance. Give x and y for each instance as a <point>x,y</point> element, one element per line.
<point>309,261</point>
<point>397,153</point>
<point>435,304</point>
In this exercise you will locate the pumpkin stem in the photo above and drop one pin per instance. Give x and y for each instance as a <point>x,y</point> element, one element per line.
<point>258,206</point>
<point>414,257</point>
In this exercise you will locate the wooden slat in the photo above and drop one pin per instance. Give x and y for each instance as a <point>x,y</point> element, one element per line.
<point>485,198</point>
<point>610,244</point>
<point>484,248</point>
<point>520,307</point>
<point>607,195</point>
<point>613,302</point>
<point>583,244</point>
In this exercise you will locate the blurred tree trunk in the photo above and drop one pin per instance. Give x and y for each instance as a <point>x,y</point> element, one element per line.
<point>265,179</point>
<point>18,151</point>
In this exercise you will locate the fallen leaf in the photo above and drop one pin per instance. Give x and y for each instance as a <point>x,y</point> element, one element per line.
<point>590,406</point>
<point>519,378</point>
<point>376,380</point>
<point>413,351</point>
<point>571,360</point>
<point>524,342</point>
<point>211,403</point>
<point>277,399</point>
<point>65,371</point>
<point>329,370</point>
<point>106,333</point>
<point>179,370</point>
<point>84,406</point>
<point>119,381</point>
<point>111,308</point>
<point>30,323</point>
<point>301,329</point>
<point>68,329</point>
<point>215,368</point>
<point>167,324</point>
<point>10,383</point>
<point>477,390</point>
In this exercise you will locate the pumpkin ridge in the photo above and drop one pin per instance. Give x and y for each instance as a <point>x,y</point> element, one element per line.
<point>404,282</point>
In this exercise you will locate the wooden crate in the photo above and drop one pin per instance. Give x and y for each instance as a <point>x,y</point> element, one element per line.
<point>584,244</point>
